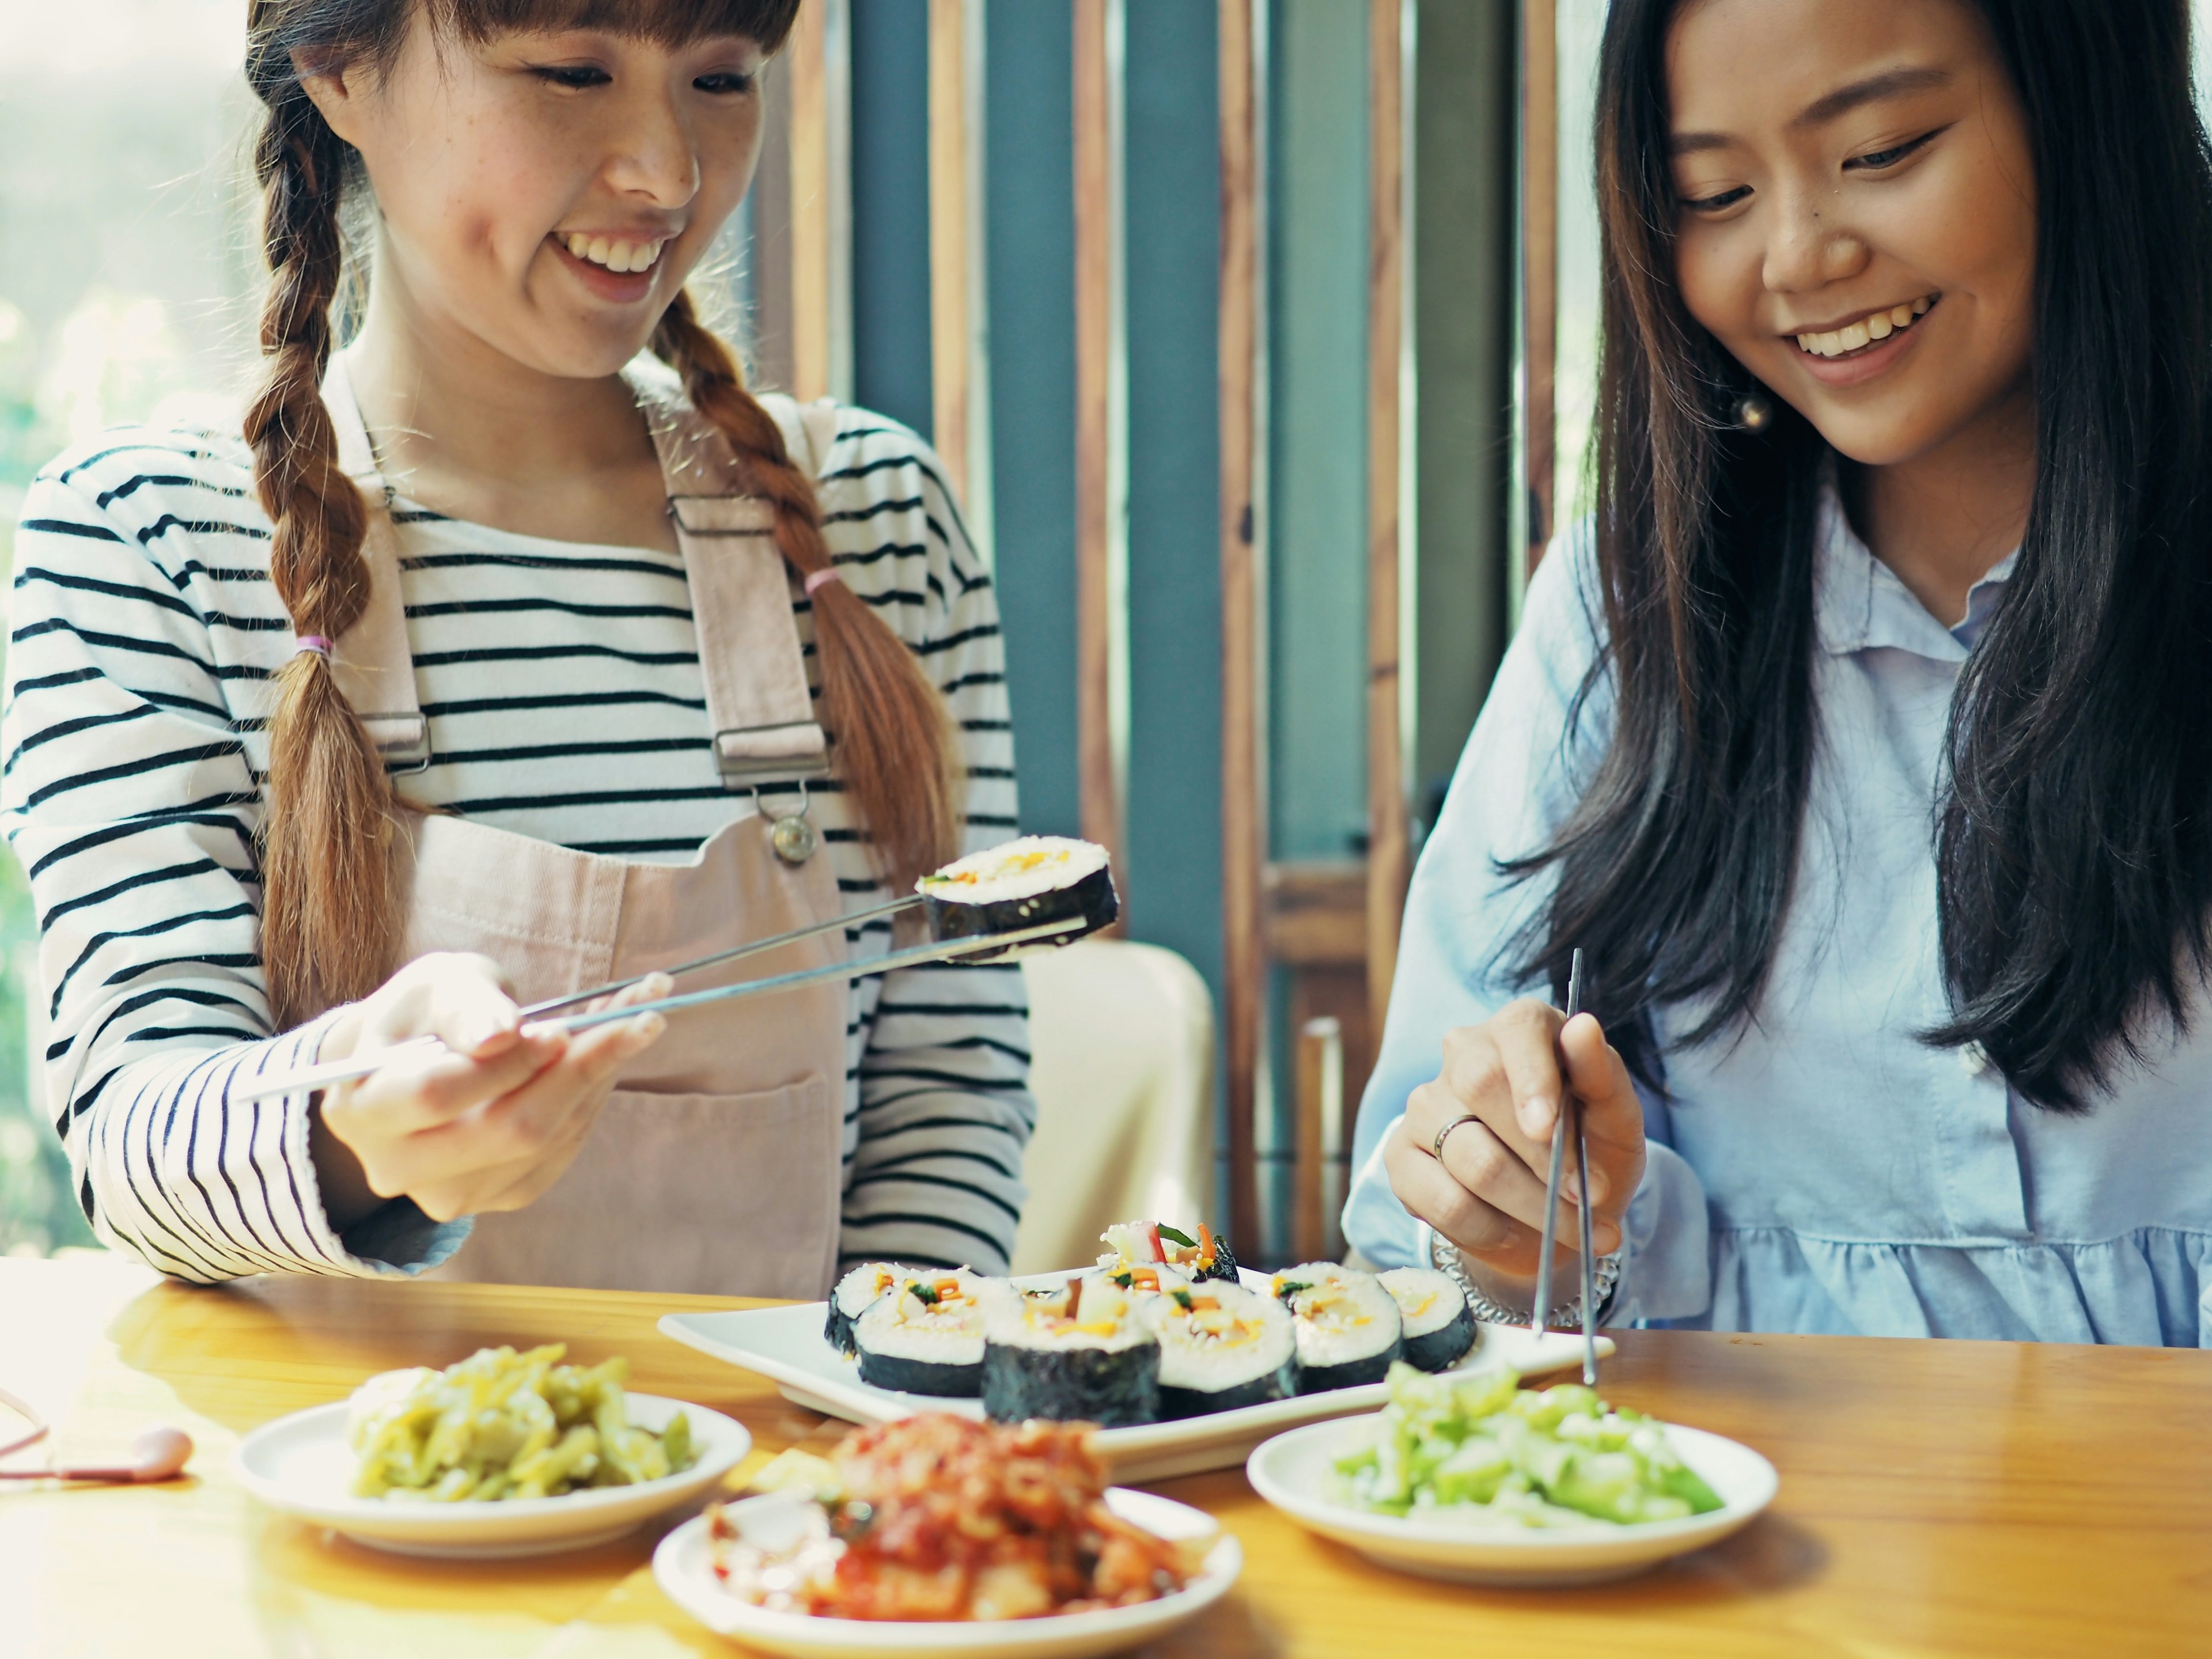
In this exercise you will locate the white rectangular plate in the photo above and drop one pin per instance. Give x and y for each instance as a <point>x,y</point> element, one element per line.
<point>785,1346</point>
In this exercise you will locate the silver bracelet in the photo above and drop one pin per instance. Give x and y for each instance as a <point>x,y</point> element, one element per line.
<point>1444,1257</point>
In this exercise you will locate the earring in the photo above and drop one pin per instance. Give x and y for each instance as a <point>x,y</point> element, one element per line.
<point>1753,412</point>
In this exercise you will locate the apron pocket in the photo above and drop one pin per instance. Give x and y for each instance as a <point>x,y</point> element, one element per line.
<point>703,1193</point>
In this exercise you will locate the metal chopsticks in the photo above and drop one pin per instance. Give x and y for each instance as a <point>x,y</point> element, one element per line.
<point>346,1071</point>
<point>750,949</point>
<point>1570,1122</point>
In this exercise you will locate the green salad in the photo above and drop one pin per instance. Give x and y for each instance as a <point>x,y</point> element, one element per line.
<point>1481,1450</point>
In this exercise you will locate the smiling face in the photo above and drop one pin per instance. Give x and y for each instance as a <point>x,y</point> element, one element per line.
<point>547,193</point>
<point>1856,215</point>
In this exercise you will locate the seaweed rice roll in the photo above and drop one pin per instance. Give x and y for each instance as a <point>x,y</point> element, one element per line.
<point>1439,1326</point>
<point>1222,1347</point>
<point>924,1336</point>
<point>1023,884</point>
<point>855,1291</point>
<point>1348,1327</point>
<point>1087,1351</point>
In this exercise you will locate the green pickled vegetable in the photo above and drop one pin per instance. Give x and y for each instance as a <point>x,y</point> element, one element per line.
<point>505,1424</point>
<point>1482,1451</point>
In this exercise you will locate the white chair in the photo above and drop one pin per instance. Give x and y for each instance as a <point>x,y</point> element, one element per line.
<point>1122,1039</point>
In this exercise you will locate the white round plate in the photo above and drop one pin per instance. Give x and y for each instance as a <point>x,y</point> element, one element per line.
<point>302,1465</point>
<point>685,1572</point>
<point>1294,1473</point>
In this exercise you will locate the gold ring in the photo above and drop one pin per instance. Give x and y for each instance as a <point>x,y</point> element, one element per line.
<point>1436,1146</point>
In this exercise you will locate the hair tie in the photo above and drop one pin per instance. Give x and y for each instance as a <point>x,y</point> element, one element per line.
<point>815,581</point>
<point>315,643</point>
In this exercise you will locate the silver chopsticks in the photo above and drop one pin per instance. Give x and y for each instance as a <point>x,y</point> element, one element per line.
<point>1570,1122</point>
<point>346,1071</point>
<point>752,948</point>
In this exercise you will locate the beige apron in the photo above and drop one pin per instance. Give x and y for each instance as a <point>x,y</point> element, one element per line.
<point>715,1166</point>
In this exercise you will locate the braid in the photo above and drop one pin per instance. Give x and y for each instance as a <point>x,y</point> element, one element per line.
<point>893,738</point>
<point>329,921</point>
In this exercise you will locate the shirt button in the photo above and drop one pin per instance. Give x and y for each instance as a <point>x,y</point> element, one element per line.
<point>1973,1059</point>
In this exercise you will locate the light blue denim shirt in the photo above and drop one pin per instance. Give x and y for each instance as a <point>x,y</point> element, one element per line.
<point>1822,1170</point>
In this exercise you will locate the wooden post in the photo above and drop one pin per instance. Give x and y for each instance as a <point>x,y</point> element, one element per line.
<point>1315,1234</point>
<point>821,203</point>
<point>1100,537</point>
<point>1389,844</point>
<point>1540,257</point>
<point>948,234</point>
<point>1243,730</point>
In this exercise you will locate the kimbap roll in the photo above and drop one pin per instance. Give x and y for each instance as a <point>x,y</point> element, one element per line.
<point>924,1336</point>
<point>1438,1325</point>
<point>1222,1347</point>
<point>1023,884</point>
<point>855,1291</point>
<point>1088,1351</point>
<point>1348,1327</point>
<point>1131,1243</point>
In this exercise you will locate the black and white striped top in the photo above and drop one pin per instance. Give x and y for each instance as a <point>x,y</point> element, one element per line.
<point>562,688</point>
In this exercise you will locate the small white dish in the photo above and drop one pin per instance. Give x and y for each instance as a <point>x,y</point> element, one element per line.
<point>684,1569</point>
<point>302,1465</point>
<point>1293,1472</point>
<point>785,1346</point>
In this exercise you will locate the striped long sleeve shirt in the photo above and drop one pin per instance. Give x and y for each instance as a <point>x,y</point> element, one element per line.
<point>562,688</point>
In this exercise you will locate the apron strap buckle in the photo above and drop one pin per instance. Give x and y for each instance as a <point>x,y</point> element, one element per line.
<point>747,755</point>
<point>403,741</point>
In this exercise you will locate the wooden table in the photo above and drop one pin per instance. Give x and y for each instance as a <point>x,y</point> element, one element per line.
<point>1937,1498</point>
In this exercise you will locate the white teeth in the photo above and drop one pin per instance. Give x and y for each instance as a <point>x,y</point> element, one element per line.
<point>622,256</point>
<point>1853,336</point>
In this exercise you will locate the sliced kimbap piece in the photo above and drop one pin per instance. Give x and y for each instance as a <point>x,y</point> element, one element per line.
<point>1348,1327</point>
<point>855,1291</point>
<point>1223,1346</point>
<point>1130,1243</point>
<point>1086,1352</point>
<point>1438,1324</point>
<point>1025,883</point>
<point>1147,1277</point>
<point>924,1336</point>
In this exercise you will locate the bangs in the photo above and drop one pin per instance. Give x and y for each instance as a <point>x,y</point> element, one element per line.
<point>669,23</point>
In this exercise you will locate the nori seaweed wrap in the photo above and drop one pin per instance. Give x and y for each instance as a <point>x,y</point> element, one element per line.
<point>924,1336</point>
<point>1087,1352</point>
<point>1349,1328</point>
<point>1439,1326</point>
<point>1222,1347</point>
<point>1023,884</point>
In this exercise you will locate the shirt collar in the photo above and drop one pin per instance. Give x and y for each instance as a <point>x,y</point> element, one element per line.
<point>1859,603</point>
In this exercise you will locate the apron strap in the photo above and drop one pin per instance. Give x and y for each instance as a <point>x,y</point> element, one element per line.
<point>757,700</point>
<point>374,666</point>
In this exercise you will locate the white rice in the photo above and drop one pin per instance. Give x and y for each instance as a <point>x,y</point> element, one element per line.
<point>861,1286</point>
<point>1427,1300</point>
<point>1107,1316</point>
<point>901,1326</point>
<point>1017,869</point>
<point>1342,1316</point>
<point>1243,1337</point>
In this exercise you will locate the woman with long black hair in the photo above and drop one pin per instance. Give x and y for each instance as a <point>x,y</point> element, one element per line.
<point>1863,738</point>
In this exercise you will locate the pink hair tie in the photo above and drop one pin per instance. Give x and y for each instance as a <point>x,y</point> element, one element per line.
<point>814,582</point>
<point>315,643</point>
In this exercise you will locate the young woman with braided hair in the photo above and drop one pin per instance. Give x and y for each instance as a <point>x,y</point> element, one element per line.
<point>511,645</point>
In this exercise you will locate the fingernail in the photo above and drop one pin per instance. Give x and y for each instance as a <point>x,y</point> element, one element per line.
<point>1536,1114</point>
<point>650,1026</point>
